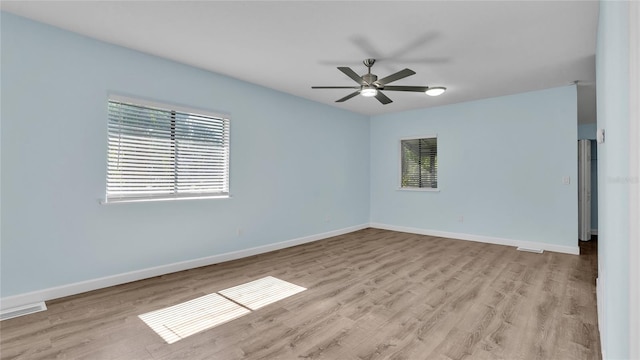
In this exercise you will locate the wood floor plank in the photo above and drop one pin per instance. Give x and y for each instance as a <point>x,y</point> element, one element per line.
<point>371,294</point>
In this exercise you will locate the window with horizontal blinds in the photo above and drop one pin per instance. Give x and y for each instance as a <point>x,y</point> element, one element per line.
<point>419,163</point>
<point>157,152</point>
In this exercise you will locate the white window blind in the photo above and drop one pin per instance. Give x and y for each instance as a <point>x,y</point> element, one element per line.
<point>158,152</point>
<point>419,163</point>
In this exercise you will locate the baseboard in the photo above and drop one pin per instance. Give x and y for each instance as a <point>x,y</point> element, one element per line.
<point>19,300</point>
<point>15,301</point>
<point>594,231</point>
<point>574,250</point>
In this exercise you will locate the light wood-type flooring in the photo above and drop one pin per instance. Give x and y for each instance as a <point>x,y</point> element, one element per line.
<point>372,294</point>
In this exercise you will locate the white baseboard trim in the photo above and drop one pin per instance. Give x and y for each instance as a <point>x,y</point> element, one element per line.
<point>594,231</point>
<point>574,250</point>
<point>15,301</point>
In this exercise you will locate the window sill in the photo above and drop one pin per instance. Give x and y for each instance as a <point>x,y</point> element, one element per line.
<point>419,189</point>
<point>154,199</point>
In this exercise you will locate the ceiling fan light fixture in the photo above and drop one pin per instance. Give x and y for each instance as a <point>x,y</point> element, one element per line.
<point>435,91</point>
<point>370,86</point>
<point>368,92</point>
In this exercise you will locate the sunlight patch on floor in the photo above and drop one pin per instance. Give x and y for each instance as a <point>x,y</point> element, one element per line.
<point>179,321</point>
<point>261,292</point>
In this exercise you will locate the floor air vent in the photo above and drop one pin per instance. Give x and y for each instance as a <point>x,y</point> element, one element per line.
<point>22,310</point>
<point>537,251</point>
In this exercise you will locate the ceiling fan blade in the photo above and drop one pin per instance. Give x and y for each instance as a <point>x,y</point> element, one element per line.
<point>352,74</point>
<point>350,96</point>
<point>407,88</point>
<point>335,87</point>
<point>396,76</point>
<point>383,98</point>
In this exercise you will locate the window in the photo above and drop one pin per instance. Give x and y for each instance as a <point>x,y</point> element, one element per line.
<point>419,163</point>
<point>164,152</point>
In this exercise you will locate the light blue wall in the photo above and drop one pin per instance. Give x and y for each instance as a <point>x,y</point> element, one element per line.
<point>612,70</point>
<point>500,165</point>
<point>293,162</point>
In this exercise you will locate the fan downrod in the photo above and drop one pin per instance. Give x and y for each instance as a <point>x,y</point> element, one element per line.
<point>369,78</point>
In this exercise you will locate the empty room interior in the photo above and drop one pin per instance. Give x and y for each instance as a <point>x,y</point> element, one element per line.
<point>319,179</point>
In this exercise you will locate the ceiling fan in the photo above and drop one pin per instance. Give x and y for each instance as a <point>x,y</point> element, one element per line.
<point>370,86</point>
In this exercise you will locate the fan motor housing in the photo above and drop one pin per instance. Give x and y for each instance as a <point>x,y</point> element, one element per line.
<point>369,78</point>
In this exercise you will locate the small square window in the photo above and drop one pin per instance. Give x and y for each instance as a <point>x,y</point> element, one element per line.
<point>419,163</point>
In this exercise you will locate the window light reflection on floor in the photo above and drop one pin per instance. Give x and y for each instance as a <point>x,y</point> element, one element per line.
<point>261,292</point>
<point>179,321</point>
<point>182,320</point>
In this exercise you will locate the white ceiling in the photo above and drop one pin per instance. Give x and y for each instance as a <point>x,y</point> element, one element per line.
<point>477,49</point>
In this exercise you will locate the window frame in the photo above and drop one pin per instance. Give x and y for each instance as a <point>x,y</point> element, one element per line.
<point>173,108</point>
<point>411,188</point>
